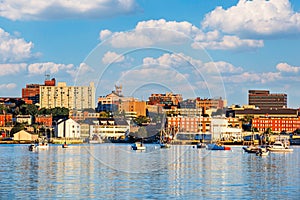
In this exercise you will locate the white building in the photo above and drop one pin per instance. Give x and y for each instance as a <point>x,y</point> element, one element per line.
<point>72,97</point>
<point>67,129</point>
<point>221,131</point>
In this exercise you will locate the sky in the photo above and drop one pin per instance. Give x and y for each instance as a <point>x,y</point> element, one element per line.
<point>206,49</point>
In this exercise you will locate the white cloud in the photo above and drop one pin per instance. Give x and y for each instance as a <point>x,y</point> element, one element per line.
<point>62,9</point>
<point>159,32</point>
<point>249,77</point>
<point>255,17</point>
<point>10,69</point>
<point>8,86</point>
<point>14,49</point>
<point>180,60</point>
<point>228,42</point>
<point>105,34</point>
<point>112,57</point>
<point>48,67</point>
<point>284,67</point>
<point>223,67</point>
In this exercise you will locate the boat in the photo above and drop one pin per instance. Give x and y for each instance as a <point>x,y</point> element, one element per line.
<point>216,146</point>
<point>201,145</point>
<point>138,146</point>
<point>65,145</point>
<point>262,151</point>
<point>165,145</point>
<point>41,145</point>
<point>280,146</point>
<point>251,148</point>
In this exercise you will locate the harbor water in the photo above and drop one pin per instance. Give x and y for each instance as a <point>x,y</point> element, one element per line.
<point>115,171</point>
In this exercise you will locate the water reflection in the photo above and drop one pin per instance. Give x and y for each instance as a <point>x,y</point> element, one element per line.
<point>112,171</point>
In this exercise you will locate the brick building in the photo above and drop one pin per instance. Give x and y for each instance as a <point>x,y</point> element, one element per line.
<point>265,100</point>
<point>277,125</point>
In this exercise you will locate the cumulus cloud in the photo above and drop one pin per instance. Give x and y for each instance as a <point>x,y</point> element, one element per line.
<point>228,42</point>
<point>64,9</point>
<point>180,60</point>
<point>8,86</point>
<point>10,69</point>
<point>153,32</point>
<point>48,67</point>
<point>284,67</point>
<point>250,77</point>
<point>223,67</point>
<point>255,18</point>
<point>112,57</point>
<point>14,49</point>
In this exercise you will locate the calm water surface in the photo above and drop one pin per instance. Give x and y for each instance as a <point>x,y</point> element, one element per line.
<point>114,171</point>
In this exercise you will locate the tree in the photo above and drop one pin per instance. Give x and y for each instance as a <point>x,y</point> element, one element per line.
<point>18,127</point>
<point>140,120</point>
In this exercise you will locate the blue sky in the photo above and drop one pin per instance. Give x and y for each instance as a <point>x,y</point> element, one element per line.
<point>197,48</point>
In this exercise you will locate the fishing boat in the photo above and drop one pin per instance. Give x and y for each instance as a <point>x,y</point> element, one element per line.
<point>216,146</point>
<point>262,151</point>
<point>280,146</point>
<point>138,146</point>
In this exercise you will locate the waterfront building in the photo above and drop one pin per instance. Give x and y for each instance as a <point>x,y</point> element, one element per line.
<point>67,128</point>
<point>222,131</point>
<point>25,136</point>
<point>198,124</point>
<point>71,97</point>
<point>110,128</point>
<point>277,125</point>
<point>265,100</point>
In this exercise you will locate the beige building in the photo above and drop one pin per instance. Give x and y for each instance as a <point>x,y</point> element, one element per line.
<point>72,97</point>
<point>25,136</point>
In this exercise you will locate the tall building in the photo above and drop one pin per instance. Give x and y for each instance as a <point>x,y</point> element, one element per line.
<point>265,100</point>
<point>31,94</point>
<point>71,97</point>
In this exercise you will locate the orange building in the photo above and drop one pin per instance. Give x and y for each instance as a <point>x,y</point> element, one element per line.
<point>167,99</point>
<point>276,124</point>
<point>136,108</point>
<point>5,119</point>
<point>45,120</point>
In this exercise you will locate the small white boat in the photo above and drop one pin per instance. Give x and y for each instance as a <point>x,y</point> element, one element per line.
<point>262,152</point>
<point>38,146</point>
<point>138,146</point>
<point>201,145</point>
<point>65,145</point>
<point>280,146</point>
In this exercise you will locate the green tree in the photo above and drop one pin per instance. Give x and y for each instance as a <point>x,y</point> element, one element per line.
<point>140,120</point>
<point>18,127</point>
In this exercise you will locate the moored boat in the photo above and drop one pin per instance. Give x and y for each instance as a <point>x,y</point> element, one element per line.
<point>262,152</point>
<point>280,146</point>
<point>138,146</point>
<point>215,146</point>
<point>200,145</point>
<point>251,149</point>
<point>165,145</point>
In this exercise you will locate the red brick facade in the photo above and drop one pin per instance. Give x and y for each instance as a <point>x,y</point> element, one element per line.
<point>276,124</point>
